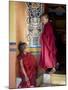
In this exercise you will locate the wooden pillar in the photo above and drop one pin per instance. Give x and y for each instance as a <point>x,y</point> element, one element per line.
<point>21,25</point>
<point>46,8</point>
<point>21,21</point>
<point>12,46</point>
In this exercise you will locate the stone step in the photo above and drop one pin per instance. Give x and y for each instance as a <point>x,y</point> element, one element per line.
<point>51,79</point>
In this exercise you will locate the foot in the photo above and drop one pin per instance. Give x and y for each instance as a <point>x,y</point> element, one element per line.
<point>52,71</point>
<point>31,86</point>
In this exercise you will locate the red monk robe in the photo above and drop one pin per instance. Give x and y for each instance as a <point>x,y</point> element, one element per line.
<point>48,48</point>
<point>30,66</point>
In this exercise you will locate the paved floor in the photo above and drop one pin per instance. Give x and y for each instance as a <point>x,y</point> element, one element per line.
<point>51,80</point>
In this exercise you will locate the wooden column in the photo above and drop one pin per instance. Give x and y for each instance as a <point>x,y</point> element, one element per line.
<point>46,8</point>
<point>12,46</point>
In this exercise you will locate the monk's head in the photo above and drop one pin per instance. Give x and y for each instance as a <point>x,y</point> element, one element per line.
<point>22,46</point>
<point>44,18</point>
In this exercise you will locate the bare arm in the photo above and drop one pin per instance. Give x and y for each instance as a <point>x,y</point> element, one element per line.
<point>23,70</point>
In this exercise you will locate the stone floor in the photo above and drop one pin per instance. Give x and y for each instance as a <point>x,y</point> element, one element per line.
<point>46,80</point>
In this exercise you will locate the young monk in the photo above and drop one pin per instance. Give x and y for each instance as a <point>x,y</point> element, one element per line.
<point>48,47</point>
<point>28,67</point>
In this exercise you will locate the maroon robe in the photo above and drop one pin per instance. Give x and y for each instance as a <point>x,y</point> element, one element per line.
<point>30,66</point>
<point>48,48</point>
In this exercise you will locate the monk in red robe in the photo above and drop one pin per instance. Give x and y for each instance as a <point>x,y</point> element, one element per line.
<point>48,47</point>
<point>28,67</point>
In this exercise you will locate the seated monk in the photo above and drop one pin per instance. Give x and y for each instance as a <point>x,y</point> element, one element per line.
<point>28,67</point>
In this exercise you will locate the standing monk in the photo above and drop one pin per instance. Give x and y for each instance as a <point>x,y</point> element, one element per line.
<point>48,47</point>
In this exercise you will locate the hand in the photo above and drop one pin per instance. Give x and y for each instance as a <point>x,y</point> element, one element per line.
<point>26,78</point>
